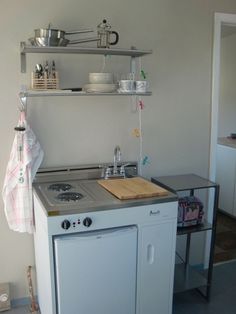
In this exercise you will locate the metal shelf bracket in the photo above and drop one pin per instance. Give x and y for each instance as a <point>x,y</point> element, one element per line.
<point>22,57</point>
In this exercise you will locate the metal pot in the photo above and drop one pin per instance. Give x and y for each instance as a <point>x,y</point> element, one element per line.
<point>57,42</point>
<point>44,41</point>
<point>57,33</point>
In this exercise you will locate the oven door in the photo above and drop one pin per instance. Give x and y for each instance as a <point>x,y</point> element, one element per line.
<point>96,272</point>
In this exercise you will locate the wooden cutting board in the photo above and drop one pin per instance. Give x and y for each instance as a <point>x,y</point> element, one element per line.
<point>130,188</point>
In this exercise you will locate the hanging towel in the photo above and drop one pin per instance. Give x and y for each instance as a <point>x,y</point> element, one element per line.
<point>25,159</point>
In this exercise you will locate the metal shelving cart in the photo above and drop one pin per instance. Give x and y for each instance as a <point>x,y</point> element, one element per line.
<point>187,277</point>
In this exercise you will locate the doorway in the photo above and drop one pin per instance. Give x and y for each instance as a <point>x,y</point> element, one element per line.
<point>222,160</point>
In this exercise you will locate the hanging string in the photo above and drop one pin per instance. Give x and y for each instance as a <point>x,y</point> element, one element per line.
<point>103,63</point>
<point>142,73</point>
<point>139,66</point>
<point>140,108</point>
<point>134,105</point>
<point>138,105</point>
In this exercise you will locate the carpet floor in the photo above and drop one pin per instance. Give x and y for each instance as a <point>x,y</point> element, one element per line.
<point>225,244</point>
<point>223,296</point>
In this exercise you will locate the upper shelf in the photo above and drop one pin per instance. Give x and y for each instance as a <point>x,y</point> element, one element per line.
<point>132,52</point>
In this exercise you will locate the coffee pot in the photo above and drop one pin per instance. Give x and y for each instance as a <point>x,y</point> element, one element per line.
<point>104,35</point>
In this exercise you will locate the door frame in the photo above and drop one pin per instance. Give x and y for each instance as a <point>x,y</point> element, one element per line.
<point>219,20</point>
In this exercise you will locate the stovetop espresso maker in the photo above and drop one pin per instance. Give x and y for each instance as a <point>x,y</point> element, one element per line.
<point>104,35</point>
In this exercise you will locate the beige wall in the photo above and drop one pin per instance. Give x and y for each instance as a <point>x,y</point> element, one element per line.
<point>176,118</point>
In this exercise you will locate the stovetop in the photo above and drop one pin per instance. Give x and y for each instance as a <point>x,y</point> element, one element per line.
<point>64,192</point>
<point>75,190</point>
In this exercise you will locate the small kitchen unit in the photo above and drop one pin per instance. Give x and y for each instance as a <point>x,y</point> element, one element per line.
<point>97,254</point>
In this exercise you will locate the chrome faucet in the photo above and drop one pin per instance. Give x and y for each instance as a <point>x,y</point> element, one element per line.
<point>117,158</point>
<point>115,170</point>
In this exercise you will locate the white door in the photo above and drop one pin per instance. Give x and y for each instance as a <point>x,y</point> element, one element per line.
<point>96,272</point>
<point>156,268</point>
<point>225,176</point>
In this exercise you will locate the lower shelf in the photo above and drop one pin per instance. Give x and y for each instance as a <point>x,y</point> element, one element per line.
<point>187,278</point>
<point>192,229</point>
<point>41,93</point>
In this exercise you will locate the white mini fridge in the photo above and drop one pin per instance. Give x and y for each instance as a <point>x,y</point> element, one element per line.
<point>96,272</point>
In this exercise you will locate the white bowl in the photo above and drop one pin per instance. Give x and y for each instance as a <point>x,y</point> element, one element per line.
<point>101,78</point>
<point>100,88</point>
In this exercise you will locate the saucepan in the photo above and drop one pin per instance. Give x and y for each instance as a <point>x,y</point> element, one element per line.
<point>50,37</point>
<point>56,42</point>
<point>57,33</point>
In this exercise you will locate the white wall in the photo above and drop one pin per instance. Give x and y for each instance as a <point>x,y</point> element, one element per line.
<point>176,118</point>
<point>227,104</point>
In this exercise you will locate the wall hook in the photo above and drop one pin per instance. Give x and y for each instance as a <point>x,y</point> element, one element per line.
<point>23,102</point>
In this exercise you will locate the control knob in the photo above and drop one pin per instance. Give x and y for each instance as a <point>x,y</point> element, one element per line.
<point>65,224</point>
<point>87,222</point>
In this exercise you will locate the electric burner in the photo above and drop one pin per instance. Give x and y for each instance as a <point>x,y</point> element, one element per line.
<point>69,196</point>
<point>60,187</point>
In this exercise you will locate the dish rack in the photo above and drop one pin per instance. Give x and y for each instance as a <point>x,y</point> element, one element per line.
<point>44,82</point>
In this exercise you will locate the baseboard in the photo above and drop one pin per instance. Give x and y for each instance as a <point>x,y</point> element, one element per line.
<point>20,302</point>
<point>198,267</point>
<point>195,266</point>
<point>225,262</point>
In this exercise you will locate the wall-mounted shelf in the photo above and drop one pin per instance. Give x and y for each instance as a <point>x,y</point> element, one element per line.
<point>70,93</point>
<point>133,52</point>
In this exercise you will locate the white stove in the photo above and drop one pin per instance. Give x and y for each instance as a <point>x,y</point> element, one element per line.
<point>96,254</point>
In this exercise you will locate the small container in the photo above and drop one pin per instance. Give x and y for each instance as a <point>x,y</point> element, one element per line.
<point>190,211</point>
<point>44,82</point>
<point>126,86</point>
<point>233,135</point>
<point>141,86</point>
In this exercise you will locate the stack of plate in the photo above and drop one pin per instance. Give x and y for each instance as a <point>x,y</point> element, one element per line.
<point>100,83</point>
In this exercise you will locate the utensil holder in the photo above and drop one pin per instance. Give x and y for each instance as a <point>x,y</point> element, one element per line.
<point>44,82</point>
